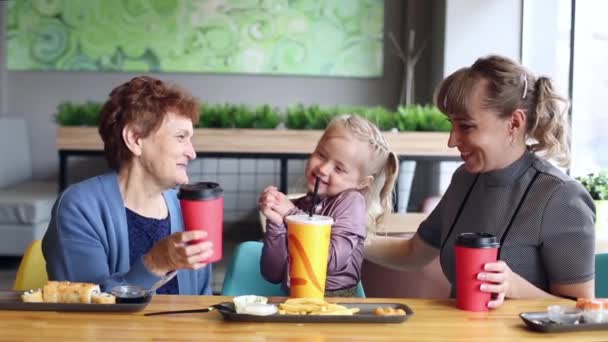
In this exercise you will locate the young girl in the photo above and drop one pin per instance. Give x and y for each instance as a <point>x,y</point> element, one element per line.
<point>357,173</point>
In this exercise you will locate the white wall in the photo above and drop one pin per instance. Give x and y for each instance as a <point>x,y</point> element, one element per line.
<point>541,41</point>
<point>475,28</point>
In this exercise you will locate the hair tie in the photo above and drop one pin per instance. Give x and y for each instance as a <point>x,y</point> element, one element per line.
<point>525,81</point>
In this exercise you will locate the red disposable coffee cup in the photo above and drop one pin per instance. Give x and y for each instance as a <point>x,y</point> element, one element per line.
<point>472,252</point>
<point>203,209</point>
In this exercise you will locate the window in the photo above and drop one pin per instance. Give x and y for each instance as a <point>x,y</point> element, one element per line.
<point>546,37</point>
<point>590,88</point>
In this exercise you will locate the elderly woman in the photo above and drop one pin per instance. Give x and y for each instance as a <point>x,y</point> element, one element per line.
<point>542,217</point>
<point>125,227</point>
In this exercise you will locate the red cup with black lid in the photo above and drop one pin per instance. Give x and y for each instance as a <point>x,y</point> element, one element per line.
<point>472,252</point>
<point>202,207</point>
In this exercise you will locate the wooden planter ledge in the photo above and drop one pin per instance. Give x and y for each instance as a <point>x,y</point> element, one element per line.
<point>257,143</point>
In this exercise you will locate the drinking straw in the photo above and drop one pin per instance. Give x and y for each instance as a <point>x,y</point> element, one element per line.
<point>314,197</point>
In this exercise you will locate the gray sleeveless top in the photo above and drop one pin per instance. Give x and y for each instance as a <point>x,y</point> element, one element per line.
<point>543,218</point>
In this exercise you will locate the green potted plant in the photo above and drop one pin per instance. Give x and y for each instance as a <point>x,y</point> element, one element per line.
<point>597,186</point>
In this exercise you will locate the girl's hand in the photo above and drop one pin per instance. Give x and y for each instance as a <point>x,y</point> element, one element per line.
<point>174,252</point>
<point>499,277</point>
<point>274,204</point>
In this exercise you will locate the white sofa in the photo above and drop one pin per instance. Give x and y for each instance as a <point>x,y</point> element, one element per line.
<point>25,204</point>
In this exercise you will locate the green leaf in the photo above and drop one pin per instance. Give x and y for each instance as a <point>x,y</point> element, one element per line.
<point>296,117</point>
<point>596,184</point>
<point>266,117</point>
<point>422,118</point>
<point>242,116</point>
<point>410,118</point>
<point>69,114</point>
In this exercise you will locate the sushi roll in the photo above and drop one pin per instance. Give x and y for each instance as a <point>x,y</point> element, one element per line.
<point>50,292</point>
<point>594,311</point>
<point>32,296</point>
<point>103,298</point>
<point>68,292</point>
<point>76,293</point>
<point>86,292</point>
<point>64,292</point>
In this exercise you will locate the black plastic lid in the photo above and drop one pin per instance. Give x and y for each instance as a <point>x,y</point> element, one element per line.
<point>477,240</point>
<point>200,191</point>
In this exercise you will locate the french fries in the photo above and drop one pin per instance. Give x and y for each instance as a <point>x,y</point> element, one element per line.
<point>313,306</point>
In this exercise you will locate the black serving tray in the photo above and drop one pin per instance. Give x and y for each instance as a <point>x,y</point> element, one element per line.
<point>540,321</point>
<point>11,300</point>
<point>365,315</point>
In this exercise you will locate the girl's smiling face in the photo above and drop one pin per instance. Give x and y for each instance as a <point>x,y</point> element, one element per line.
<point>338,161</point>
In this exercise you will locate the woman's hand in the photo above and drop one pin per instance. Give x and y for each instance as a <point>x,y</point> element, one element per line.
<point>274,204</point>
<point>500,278</point>
<point>174,252</point>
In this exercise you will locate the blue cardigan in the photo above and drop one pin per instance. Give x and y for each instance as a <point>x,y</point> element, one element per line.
<point>87,239</point>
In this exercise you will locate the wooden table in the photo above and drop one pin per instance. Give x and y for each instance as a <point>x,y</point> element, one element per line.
<point>433,320</point>
<point>257,143</point>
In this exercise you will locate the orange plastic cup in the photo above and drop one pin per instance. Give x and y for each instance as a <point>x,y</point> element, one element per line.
<point>308,242</point>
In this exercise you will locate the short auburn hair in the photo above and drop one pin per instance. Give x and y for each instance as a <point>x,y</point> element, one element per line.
<point>143,102</point>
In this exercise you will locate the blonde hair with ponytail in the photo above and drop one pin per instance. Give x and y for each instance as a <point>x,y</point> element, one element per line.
<point>548,125</point>
<point>509,87</point>
<point>383,166</point>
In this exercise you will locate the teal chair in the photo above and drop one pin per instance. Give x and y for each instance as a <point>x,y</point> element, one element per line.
<point>360,291</point>
<point>244,277</point>
<point>601,275</point>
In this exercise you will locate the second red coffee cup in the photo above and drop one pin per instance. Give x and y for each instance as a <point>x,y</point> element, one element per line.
<point>203,209</point>
<point>472,252</point>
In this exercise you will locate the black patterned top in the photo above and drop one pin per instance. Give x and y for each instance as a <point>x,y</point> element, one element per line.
<point>144,232</point>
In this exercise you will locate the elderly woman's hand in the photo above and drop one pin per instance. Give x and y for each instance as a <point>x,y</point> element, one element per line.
<point>174,252</point>
<point>499,277</point>
<point>274,204</point>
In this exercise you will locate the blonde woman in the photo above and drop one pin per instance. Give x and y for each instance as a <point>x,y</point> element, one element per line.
<point>357,173</point>
<point>506,123</point>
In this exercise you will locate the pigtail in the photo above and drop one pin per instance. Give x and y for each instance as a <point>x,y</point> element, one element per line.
<point>391,172</point>
<point>383,165</point>
<point>380,197</point>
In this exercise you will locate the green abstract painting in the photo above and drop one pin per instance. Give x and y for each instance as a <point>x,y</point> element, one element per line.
<point>282,37</point>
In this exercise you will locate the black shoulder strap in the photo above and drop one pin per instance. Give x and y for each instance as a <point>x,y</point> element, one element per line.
<point>464,201</point>
<point>521,202</point>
